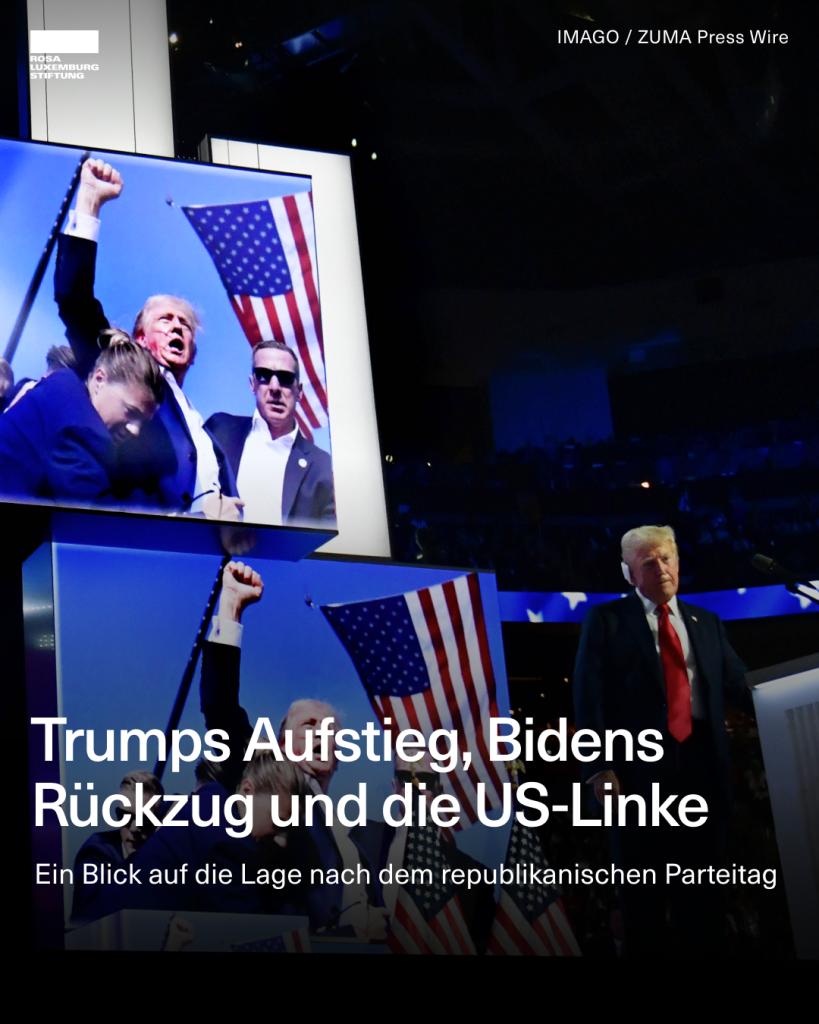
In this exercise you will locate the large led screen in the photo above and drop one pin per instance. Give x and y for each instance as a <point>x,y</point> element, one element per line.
<point>171,362</point>
<point>403,664</point>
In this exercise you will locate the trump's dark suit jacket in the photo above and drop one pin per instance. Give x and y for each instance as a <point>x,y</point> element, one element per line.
<point>619,684</point>
<point>312,846</point>
<point>161,462</point>
<point>307,493</point>
<point>53,444</point>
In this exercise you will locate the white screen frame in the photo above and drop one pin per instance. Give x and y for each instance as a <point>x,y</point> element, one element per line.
<point>361,508</point>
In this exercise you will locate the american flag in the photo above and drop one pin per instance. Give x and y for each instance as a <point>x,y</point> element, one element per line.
<point>428,917</point>
<point>290,942</point>
<point>265,254</point>
<point>424,660</point>
<point>529,918</point>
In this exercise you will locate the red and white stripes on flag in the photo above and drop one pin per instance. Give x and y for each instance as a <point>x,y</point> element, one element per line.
<point>295,317</point>
<point>446,934</point>
<point>424,660</point>
<point>298,941</point>
<point>428,919</point>
<point>449,623</point>
<point>265,254</point>
<point>550,934</point>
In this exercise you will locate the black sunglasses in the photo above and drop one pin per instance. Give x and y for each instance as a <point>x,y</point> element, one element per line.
<point>428,778</point>
<point>286,378</point>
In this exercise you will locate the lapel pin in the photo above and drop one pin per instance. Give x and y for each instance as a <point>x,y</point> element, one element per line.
<point>303,463</point>
<point>694,618</point>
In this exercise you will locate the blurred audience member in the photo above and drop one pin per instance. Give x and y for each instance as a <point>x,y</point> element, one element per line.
<point>58,357</point>
<point>105,851</point>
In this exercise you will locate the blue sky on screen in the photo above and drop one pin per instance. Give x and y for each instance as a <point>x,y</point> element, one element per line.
<point>146,247</point>
<point>126,621</point>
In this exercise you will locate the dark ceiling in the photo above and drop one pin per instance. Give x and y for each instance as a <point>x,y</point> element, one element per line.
<point>507,160</point>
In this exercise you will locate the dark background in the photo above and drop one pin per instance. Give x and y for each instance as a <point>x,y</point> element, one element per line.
<point>647,211</point>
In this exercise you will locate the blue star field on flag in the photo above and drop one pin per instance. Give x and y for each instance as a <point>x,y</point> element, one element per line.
<point>244,243</point>
<point>526,849</point>
<point>425,663</point>
<point>424,854</point>
<point>381,640</point>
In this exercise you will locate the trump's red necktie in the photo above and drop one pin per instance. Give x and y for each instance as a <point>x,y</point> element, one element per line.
<point>677,687</point>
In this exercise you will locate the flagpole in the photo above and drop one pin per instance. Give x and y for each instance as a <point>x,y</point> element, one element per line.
<point>39,273</point>
<point>187,678</point>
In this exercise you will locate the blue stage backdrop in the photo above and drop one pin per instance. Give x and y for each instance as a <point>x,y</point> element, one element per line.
<point>572,606</point>
<point>125,623</point>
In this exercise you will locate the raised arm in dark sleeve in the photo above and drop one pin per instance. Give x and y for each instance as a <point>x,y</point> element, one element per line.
<point>221,662</point>
<point>219,700</point>
<point>79,310</point>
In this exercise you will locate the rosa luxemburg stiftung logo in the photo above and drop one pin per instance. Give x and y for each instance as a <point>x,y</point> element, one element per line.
<point>47,47</point>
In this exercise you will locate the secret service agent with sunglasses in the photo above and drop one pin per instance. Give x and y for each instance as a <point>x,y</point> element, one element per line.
<point>282,478</point>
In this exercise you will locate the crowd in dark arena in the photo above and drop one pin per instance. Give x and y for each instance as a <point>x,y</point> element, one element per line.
<point>549,518</point>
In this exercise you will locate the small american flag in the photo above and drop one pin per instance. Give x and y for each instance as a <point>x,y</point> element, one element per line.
<point>424,660</point>
<point>265,254</point>
<point>290,942</point>
<point>428,917</point>
<point>529,917</point>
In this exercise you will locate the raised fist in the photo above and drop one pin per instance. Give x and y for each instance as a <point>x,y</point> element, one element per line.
<point>99,182</point>
<point>241,586</point>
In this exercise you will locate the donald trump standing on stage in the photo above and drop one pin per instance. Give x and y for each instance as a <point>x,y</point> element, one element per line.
<point>651,661</point>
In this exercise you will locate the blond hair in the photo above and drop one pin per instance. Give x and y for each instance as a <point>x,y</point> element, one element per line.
<point>306,700</point>
<point>126,362</point>
<point>644,536</point>
<point>267,775</point>
<point>190,312</point>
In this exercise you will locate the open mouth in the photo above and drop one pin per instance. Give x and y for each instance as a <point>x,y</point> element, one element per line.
<point>176,345</point>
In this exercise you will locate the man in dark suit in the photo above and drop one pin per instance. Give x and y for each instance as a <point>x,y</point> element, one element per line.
<point>178,464</point>
<point>281,477</point>
<point>334,908</point>
<point>650,661</point>
<point>60,443</point>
